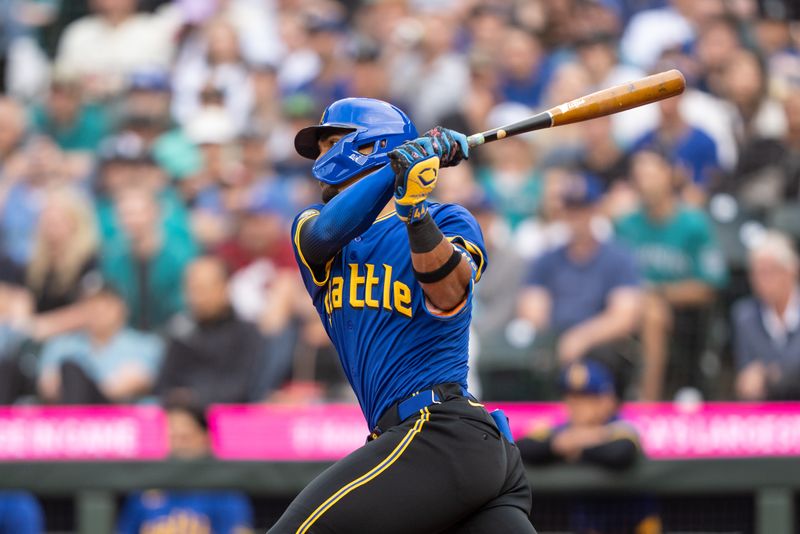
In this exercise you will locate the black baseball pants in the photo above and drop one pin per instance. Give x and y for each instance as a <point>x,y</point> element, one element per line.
<point>446,469</point>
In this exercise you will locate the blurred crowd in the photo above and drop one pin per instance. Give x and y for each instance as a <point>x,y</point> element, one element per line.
<point>148,180</point>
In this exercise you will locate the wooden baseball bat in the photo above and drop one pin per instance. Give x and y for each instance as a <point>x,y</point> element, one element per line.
<point>612,100</point>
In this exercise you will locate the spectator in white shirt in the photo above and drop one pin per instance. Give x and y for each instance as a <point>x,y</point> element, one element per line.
<point>104,48</point>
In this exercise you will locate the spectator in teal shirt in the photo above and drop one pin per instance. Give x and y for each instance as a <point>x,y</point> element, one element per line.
<point>680,259</point>
<point>73,124</point>
<point>146,261</point>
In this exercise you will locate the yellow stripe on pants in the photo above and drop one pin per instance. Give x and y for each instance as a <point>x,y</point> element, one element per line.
<point>425,416</point>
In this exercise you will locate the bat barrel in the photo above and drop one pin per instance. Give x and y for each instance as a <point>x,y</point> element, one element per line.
<point>620,98</point>
<point>612,100</point>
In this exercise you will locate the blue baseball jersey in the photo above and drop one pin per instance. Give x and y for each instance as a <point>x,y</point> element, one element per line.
<point>389,341</point>
<point>174,512</point>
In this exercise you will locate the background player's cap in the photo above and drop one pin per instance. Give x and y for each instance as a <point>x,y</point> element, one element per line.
<point>587,377</point>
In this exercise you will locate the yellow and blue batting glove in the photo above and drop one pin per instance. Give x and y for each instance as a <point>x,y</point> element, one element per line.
<point>416,171</point>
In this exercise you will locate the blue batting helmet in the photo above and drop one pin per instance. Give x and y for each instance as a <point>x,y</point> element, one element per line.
<point>366,122</point>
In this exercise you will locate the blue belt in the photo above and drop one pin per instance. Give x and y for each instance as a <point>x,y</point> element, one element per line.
<point>402,410</point>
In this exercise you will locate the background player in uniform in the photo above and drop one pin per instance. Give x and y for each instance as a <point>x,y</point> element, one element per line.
<point>594,434</point>
<point>392,282</point>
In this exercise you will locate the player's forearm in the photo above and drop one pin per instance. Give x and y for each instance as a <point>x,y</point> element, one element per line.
<point>442,271</point>
<point>347,215</point>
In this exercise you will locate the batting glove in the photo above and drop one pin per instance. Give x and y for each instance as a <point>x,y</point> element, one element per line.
<point>416,171</point>
<point>451,146</point>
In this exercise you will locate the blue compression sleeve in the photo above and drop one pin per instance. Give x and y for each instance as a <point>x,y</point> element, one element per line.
<point>347,215</point>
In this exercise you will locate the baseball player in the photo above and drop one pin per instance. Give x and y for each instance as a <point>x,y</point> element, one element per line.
<point>392,276</point>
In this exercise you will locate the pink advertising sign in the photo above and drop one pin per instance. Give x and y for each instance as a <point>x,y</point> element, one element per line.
<point>329,432</point>
<point>83,433</point>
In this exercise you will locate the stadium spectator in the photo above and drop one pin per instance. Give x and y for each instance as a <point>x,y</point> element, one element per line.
<point>368,78</point>
<point>12,130</point>
<point>594,434</point>
<point>652,31</point>
<point>680,259</point>
<point>215,65</point>
<point>38,166</point>
<point>585,293</point>
<point>65,247</point>
<point>220,512</point>
<point>105,362</point>
<point>429,72</point>
<point>766,325</point>
<point>213,356</point>
<point>597,51</point>
<point>149,93</point>
<point>525,70</point>
<point>126,162</point>
<point>768,171</point>
<point>20,513</point>
<point>599,154</point>
<point>266,97</point>
<point>259,256</point>
<point>510,177</point>
<point>495,297</point>
<point>148,260</point>
<point>715,47</point>
<point>744,84</point>
<point>73,124</point>
<point>333,71</point>
<point>16,315</point>
<point>103,48</point>
<point>694,151</point>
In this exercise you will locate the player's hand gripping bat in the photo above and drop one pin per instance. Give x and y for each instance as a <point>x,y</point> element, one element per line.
<point>612,100</point>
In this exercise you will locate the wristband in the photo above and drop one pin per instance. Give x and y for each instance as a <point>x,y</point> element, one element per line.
<point>436,275</point>
<point>424,235</point>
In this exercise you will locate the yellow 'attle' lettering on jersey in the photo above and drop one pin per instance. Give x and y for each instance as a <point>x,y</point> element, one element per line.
<point>369,287</point>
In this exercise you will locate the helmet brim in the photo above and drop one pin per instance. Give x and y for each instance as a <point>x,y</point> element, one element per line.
<point>306,142</point>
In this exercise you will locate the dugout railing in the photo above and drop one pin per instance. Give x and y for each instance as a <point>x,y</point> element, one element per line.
<point>96,486</point>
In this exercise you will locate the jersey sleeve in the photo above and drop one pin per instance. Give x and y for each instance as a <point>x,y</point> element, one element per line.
<point>460,228</point>
<point>314,276</point>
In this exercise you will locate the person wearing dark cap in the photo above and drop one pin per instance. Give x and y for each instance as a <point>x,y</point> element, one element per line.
<point>585,293</point>
<point>197,511</point>
<point>105,362</point>
<point>594,434</point>
<point>125,162</point>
